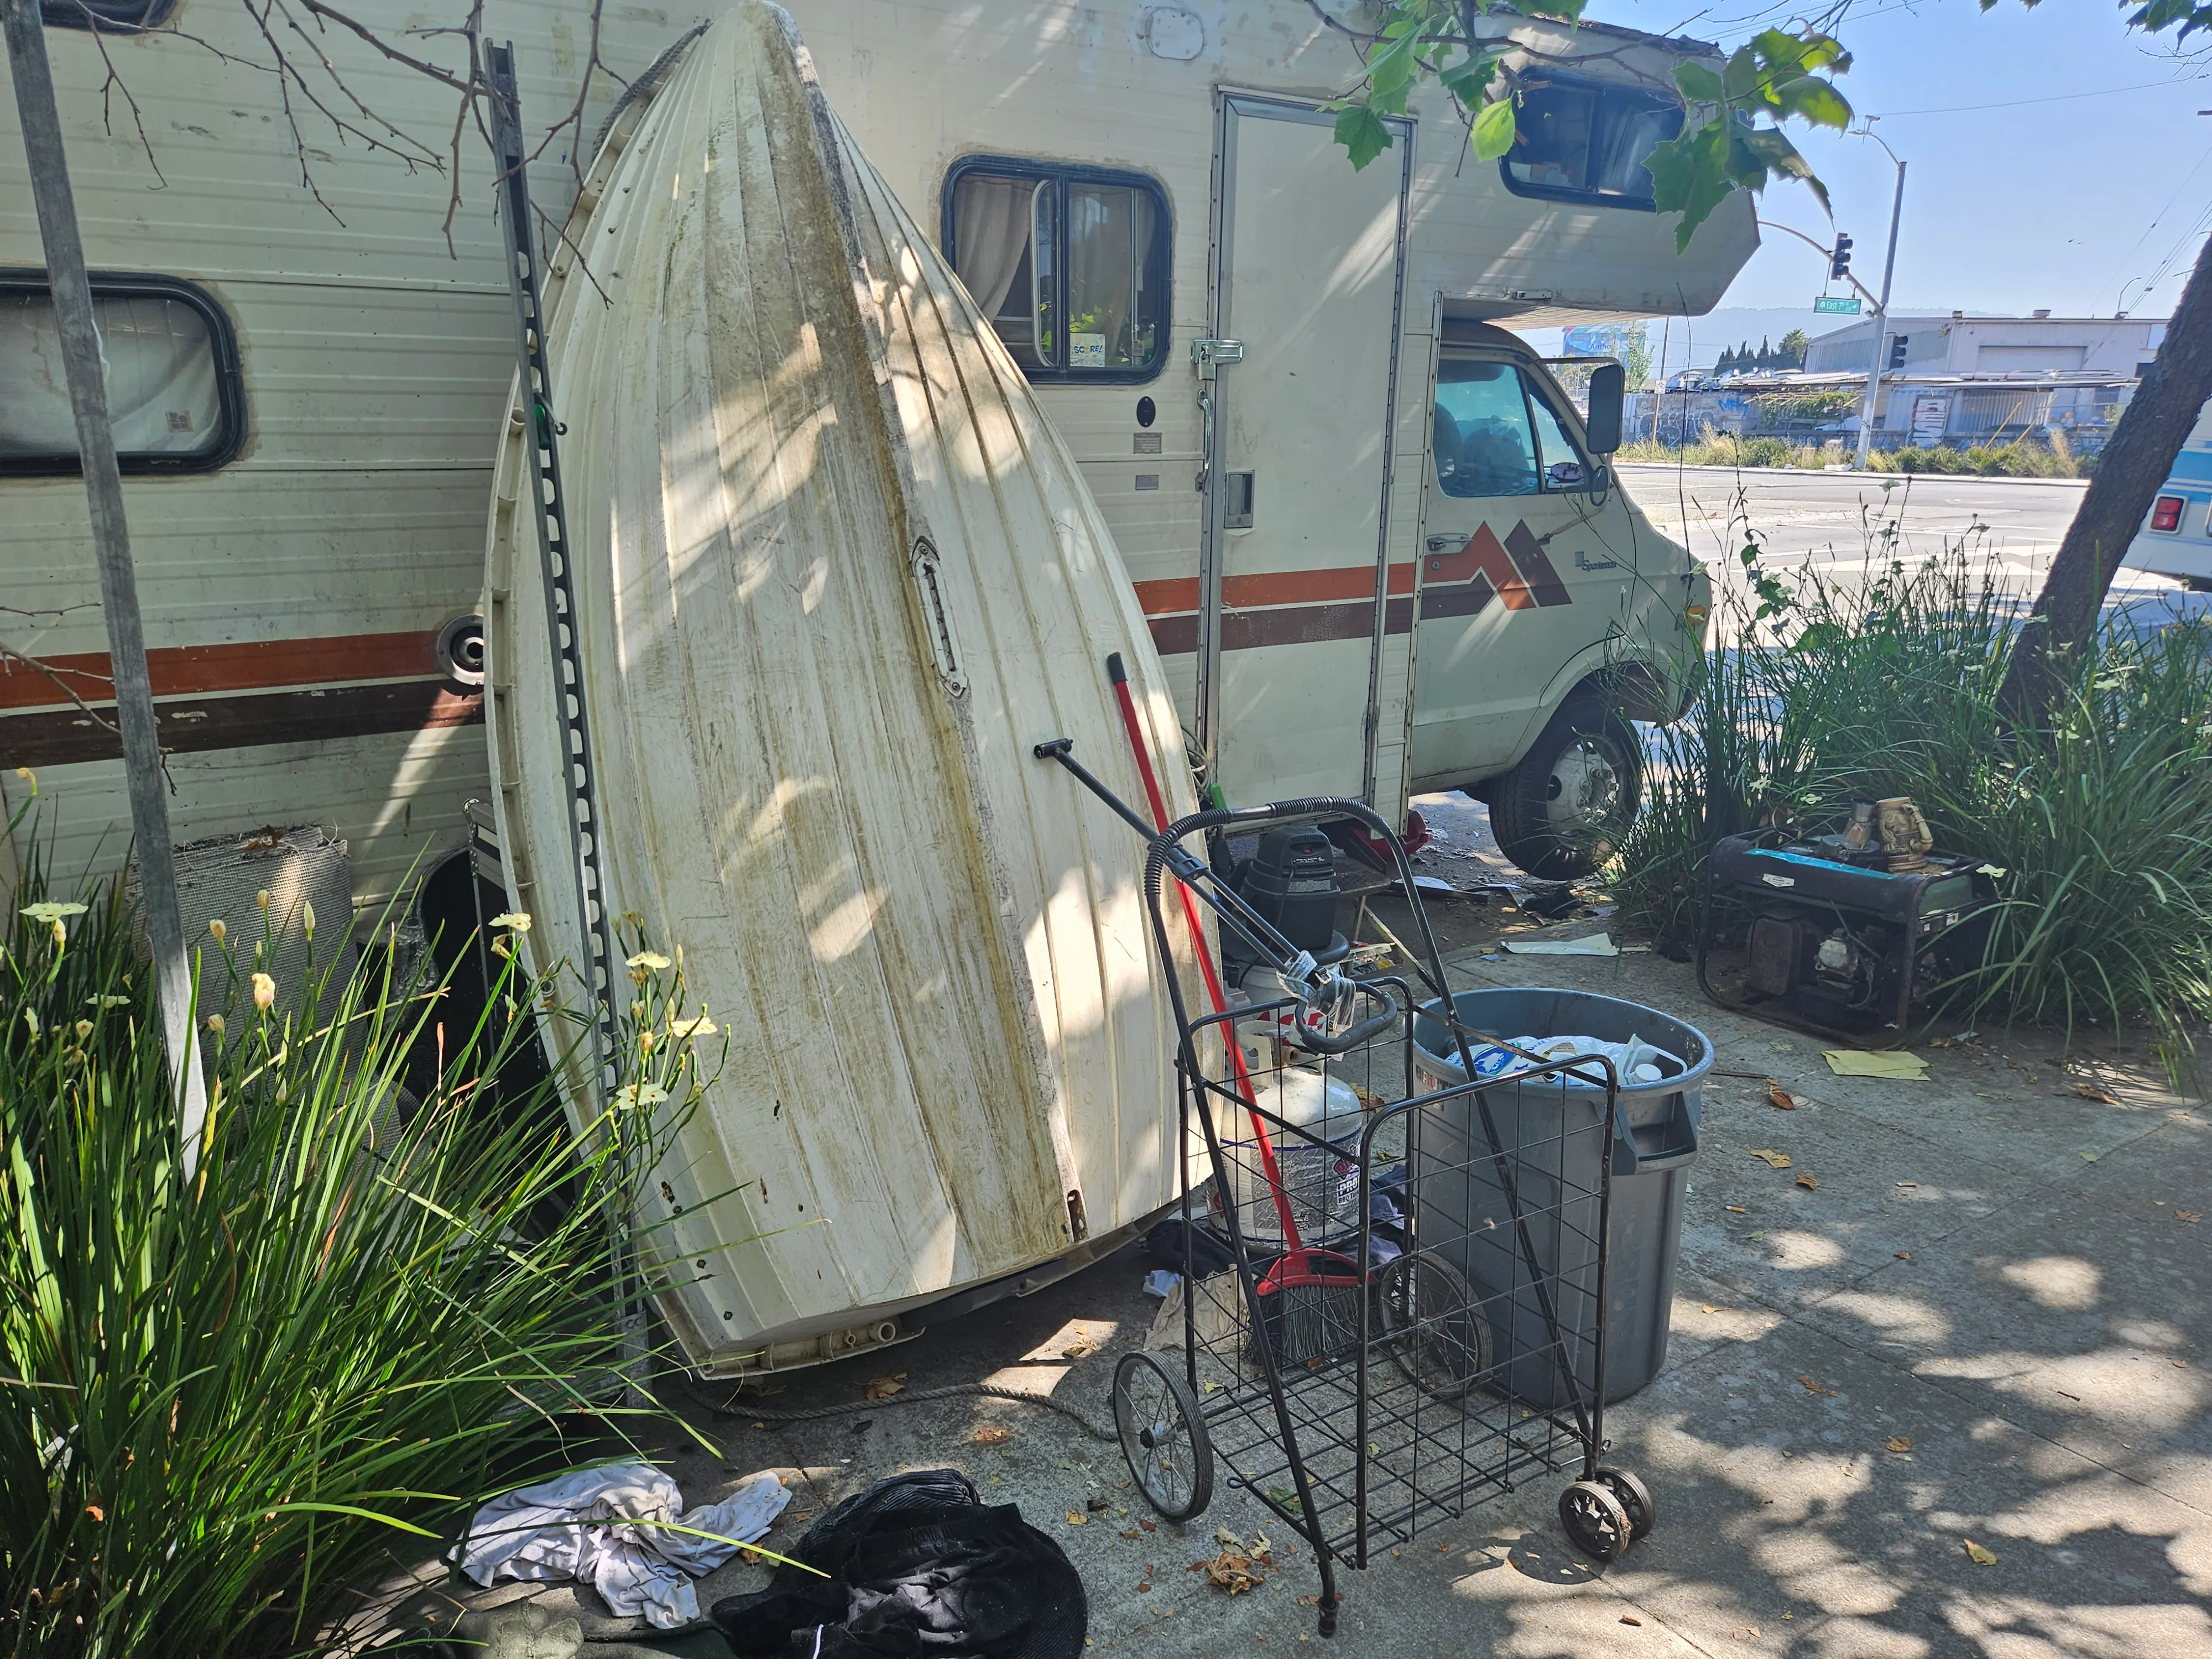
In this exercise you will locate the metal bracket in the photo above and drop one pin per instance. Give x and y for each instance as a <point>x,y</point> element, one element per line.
<point>1206,356</point>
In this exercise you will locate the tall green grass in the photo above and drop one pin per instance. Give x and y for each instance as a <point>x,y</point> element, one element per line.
<point>2100,816</point>
<point>242,1376</point>
<point>2024,458</point>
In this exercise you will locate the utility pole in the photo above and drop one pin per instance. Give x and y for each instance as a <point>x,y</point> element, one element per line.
<point>1881,309</point>
<point>111,542</point>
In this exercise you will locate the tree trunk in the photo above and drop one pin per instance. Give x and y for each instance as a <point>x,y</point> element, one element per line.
<point>2138,459</point>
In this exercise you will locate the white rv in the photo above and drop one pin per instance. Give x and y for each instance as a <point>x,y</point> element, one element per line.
<point>1366,526</point>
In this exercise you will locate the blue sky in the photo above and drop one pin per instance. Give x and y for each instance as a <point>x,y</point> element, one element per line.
<point>2051,199</point>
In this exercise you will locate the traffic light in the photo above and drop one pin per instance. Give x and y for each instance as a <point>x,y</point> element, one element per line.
<point>1839,262</point>
<point>1897,343</point>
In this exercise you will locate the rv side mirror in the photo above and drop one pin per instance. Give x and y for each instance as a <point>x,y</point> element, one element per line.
<point>1608,384</point>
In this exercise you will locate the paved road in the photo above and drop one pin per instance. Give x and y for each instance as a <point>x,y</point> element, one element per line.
<point>1839,520</point>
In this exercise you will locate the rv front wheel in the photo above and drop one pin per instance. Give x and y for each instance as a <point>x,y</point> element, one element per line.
<point>1563,811</point>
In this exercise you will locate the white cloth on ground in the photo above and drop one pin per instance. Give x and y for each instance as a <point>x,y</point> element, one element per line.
<point>614,1528</point>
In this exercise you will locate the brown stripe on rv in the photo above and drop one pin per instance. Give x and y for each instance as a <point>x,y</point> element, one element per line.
<point>1168,595</point>
<point>1460,599</point>
<point>250,666</point>
<point>1536,565</point>
<point>68,736</point>
<point>1297,624</point>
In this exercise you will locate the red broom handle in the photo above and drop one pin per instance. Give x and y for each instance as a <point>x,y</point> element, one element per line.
<point>1119,674</point>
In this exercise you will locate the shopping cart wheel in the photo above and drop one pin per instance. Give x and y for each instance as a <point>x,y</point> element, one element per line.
<point>1633,1496</point>
<point>1162,1436</point>
<point>1596,1522</point>
<point>1432,1326</point>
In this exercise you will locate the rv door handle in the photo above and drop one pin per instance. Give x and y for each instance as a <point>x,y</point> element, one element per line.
<point>1438,543</point>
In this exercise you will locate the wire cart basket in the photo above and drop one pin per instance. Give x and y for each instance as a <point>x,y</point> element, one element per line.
<point>1412,1316</point>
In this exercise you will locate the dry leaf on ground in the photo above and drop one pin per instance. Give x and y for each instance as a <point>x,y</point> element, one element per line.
<point>1780,1096</point>
<point>1709,1307</point>
<point>1078,1518</point>
<point>992,1434</point>
<point>1897,1443</point>
<point>1233,1573</point>
<point>2091,1091</point>
<point>1149,1526</point>
<point>1980,1556</point>
<point>2189,1215</point>
<point>1082,1348</point>
<point>1773,1160</point>
<point>1631,1618</point>
<point>1814,1386</point>
<point>1806,1182</point>
<point>883,1388</point>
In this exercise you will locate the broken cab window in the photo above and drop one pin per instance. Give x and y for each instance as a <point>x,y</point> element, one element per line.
<point>1069,265</point>
<point>172,378</point>
<point>1584,141</point>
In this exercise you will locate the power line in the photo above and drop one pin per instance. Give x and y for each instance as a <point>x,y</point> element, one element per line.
<point>2022,103</point>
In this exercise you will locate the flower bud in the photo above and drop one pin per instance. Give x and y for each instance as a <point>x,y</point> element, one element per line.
<point>265,991</point>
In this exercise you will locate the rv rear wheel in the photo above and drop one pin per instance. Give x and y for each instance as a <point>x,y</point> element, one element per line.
<point>1563,811</point>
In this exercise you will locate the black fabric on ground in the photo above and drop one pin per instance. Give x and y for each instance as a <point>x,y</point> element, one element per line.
<point>920,1568</point>
<point>1210,1252</point>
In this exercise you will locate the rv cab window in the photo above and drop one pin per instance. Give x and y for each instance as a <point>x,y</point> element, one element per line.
<point>173,394</point>
<point>1585,141</point>
<point>1069,263</point>
<point>1494,433</point>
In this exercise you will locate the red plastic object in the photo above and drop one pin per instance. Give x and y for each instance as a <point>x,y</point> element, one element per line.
<point>2167,515</point>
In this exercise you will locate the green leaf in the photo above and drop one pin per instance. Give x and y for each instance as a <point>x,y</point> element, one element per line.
<point>1776,154</point>
<point>1469,82</point>
<point>1698,83</point>
<point>1392,68</point>
<point>1494,129</point>
<point>1689,176</point>
<point>1363,134</point>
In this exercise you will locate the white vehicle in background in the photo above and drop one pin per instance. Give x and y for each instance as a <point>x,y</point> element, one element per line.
<point>2176,537</point>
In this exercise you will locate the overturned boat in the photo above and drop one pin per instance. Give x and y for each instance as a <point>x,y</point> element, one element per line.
<point>835,575</point>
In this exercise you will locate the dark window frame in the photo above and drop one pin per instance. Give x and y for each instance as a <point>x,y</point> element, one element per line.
<point>229,376</point>
<point>1061,174</point>
<point>121,17</point>
<point>1583,197</point>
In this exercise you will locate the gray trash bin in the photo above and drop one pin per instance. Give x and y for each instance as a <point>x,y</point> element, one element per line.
<point>1553,1139</point>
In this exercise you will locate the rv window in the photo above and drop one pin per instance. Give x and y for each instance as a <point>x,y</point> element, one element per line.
<point>1484,445</point>
<point>1036,243</point>
<point>122,17</point>
<point>172,395</point>
<point>1584,141</point>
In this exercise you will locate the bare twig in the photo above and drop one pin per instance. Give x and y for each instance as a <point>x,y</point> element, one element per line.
<point>62,685</point>
<point>115,82</point>
<point>574,118</point>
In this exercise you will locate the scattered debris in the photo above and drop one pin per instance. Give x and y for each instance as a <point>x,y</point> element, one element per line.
<point>1890,1063</point>
<point>1095,1505</point>
<point>1806,1182</point>
<point>1980,1556</point>
<point>1813,1386</point>
<point>1709,1307</point>
<point>1774,1160</point>
<point>2189,1215</point>
<point>1232,1573</point>
<point>1592,944</point>
<point>1902,1255</point>
<point>1631,1618</point>
<point>1897,1443</point>
<point>1082,1348</point>
<point>1780,1097</point>
<point>1735,1209</point>
<point>1148,1526</point>
<point>992,1434</point>
<point>1078,1518</point>
<point>2091,1091</point>
<point>883,1388</point>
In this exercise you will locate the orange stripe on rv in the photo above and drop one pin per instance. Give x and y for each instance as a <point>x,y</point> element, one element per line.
<point>1171,595</point>
<point>253,666</point>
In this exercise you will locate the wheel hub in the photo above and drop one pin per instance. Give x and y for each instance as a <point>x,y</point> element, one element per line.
<point>1586,789</point>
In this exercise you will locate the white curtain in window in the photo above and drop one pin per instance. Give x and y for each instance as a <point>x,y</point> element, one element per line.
<point>991,220</point>
<point>162,393</point>
<point>1109,245</point>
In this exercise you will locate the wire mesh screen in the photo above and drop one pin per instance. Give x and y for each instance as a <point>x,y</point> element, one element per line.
<point>1416,1272</point>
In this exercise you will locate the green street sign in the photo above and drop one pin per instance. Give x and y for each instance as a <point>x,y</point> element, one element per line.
<point>1844,305</point>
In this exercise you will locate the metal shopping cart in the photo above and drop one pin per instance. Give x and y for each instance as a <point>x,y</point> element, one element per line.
<point>1413,1314</point>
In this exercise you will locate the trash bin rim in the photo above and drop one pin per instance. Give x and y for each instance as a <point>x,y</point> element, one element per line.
<point>1691,1075</point>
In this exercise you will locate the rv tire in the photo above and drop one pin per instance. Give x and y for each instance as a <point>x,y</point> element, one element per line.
<point>1562,812</point>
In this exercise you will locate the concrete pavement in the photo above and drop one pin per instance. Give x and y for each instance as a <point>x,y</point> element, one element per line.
<point>1987,1322</point>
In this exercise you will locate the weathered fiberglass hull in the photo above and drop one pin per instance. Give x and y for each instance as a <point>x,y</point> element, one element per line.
<point>837,574</point>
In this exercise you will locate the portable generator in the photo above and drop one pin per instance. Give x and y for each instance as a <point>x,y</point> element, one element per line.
<point>1847,931</point>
